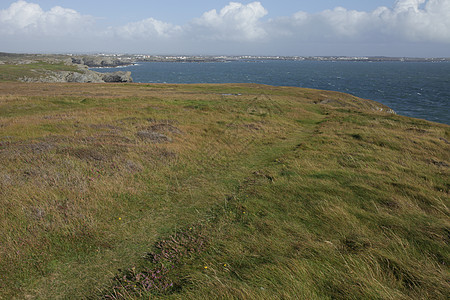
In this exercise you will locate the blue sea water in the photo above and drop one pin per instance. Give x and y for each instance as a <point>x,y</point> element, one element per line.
<point>415,89</point>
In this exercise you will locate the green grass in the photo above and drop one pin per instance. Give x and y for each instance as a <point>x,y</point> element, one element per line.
<point>264,195</point>
<point>14,72</point>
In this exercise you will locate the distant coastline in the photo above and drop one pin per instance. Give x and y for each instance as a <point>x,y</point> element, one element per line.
<point>102,60</point>
<point>115,67</point>
<point>182,58</point>
<point>124,60</point>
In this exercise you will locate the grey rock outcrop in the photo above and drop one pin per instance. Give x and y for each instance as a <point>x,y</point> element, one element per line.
<point>83,76</point>
<point>67,76</point>
<point>119,76</point>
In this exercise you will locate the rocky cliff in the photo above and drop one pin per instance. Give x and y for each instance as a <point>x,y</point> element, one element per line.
<point>84,75</point>
<point>119,76</point>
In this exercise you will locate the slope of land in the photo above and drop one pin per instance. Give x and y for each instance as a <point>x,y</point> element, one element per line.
<point>218,191</point>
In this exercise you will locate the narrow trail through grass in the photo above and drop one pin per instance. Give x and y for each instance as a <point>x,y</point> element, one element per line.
<point>218,191</point>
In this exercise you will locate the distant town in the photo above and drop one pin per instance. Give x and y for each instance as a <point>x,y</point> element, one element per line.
<point>225,58</point>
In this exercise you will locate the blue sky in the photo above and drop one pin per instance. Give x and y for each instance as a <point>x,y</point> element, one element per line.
<point>264,27</point>
<point>181,11</point>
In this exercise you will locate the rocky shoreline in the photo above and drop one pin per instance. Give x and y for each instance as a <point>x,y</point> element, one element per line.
<point>82,75</point>
<point>101,61</point>
<point>86,76</point>
<point>78,70</point>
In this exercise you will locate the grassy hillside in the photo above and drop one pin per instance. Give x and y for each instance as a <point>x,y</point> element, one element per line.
<point>218,191</point>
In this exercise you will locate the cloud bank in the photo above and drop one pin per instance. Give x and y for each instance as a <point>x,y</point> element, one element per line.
<point>29,19</point>
<point>234,22</point>
<point>248,26</point>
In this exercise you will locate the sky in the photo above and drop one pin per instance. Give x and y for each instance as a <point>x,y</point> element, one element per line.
<point>414,28</point>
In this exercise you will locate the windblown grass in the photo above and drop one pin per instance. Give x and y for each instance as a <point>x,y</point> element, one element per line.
<point>256,192</point>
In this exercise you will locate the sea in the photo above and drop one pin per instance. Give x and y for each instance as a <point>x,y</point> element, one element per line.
<point>414,89</point>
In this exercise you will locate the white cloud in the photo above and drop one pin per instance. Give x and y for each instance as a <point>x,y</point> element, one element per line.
<point>407,5</point>
<point>28,18</point>
<point>235,21</point>
<point>424,22</point>
<point>148,28</point>
<point>432,23</point>
<point>407,21</point>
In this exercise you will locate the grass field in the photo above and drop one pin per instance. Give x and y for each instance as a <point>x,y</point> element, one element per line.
<point>234,191</point>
